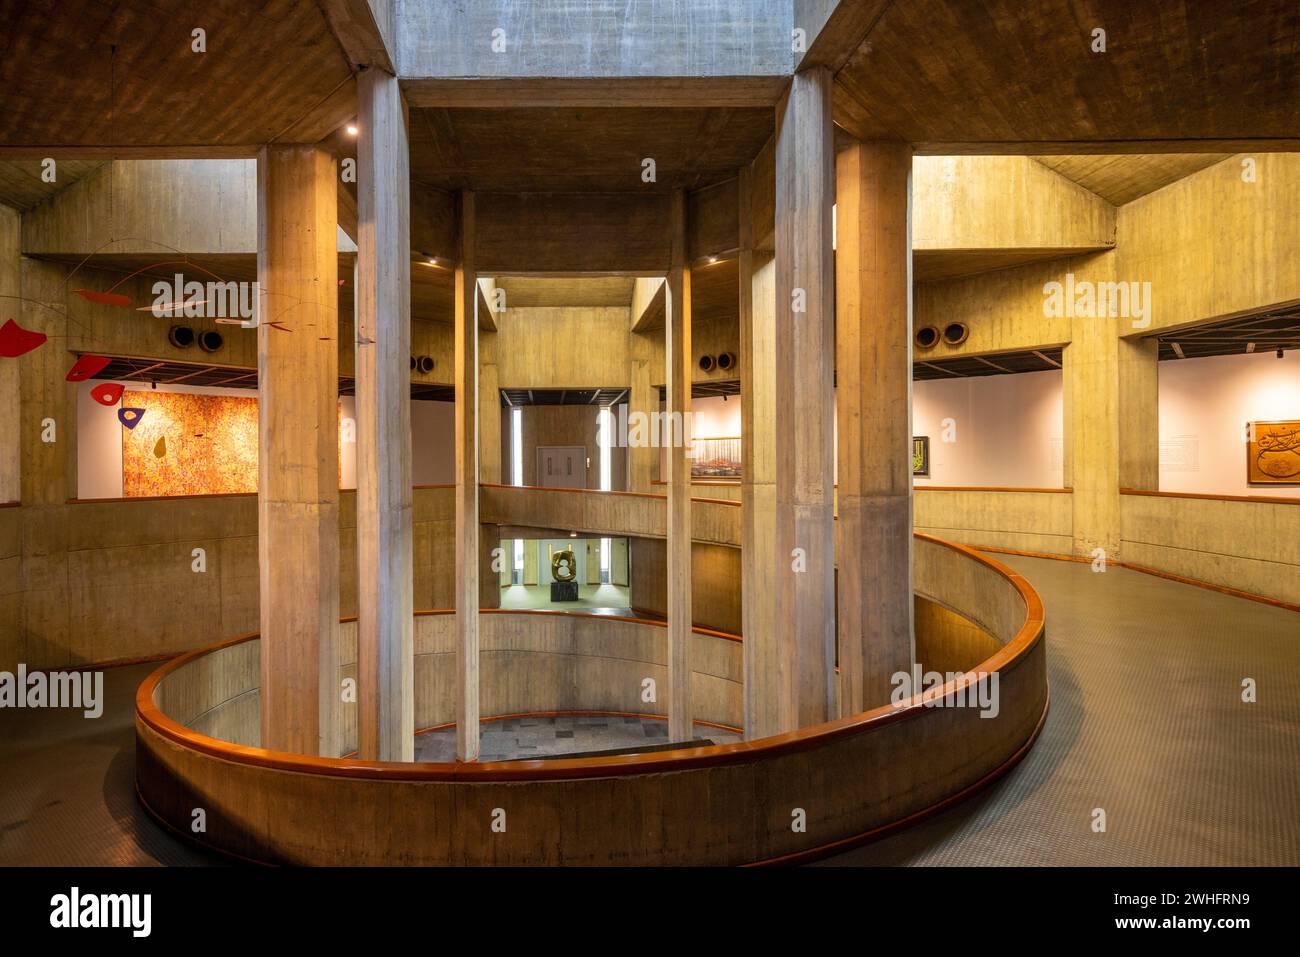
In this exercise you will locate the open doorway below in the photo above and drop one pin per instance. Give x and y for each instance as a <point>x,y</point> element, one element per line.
<point>593,579</point>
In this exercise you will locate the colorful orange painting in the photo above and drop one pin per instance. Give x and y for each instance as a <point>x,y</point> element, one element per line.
<point>209,445</point>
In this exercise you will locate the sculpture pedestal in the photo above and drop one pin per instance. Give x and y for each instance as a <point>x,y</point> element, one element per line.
<point>564,591</point>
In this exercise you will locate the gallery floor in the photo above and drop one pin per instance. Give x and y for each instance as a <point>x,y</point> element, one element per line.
<point>593,599</point>
<point>1147,723</point>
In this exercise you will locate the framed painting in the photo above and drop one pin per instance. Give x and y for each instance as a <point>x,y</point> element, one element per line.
<point>921,456</point>
<point>1273,453</point>
<point>716,458</point>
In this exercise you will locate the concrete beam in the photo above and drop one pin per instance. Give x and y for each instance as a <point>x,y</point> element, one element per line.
<point>601,39</point>
<point>834,29</point>
<point>364,31</point>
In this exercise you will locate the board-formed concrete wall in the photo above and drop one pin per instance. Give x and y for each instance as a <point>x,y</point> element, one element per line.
<point>600,38</point>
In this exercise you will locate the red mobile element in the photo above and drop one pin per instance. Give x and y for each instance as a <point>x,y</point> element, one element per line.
<point>105,298</point>
<point>16,341</point>
<point>107,393</point>
<point>87,367</point>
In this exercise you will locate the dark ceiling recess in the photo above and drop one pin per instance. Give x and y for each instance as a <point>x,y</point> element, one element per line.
<point>1264,333</point>
<point>701,390</point>
<point>960,367</point>
<point>597,397</point>
<point>149,371</point>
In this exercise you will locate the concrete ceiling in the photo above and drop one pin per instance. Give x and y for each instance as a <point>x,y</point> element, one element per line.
<point>950,74</point>
<point>1122,179</point>
<point>580,149</point>
<point>86,72</point>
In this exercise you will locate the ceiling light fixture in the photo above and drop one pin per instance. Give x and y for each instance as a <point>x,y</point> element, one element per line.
<point>352,130</point>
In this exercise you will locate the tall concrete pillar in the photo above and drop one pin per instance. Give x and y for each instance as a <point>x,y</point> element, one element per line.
<point>873,283</point>
<point>677,365</point>
<point>805,365</point>
<point>467,482</point>
<point>298,488</point>
<point>1111,437</point>
<point>47,467</point>
<point>385,569</point>
<point>10,393</point>
<point>643,398</point>
<point>489,403</point>
<point>761,573</point>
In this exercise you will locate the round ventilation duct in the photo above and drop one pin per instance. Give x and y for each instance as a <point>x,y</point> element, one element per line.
<point>927,337</point>
<point>707,363</point>
<point>955,333</point>
<point>726,361</point>
<point>182,337</point>
<point>211,341</point>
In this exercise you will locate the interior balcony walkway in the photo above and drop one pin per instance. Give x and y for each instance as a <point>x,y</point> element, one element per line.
<point>1147,723</point>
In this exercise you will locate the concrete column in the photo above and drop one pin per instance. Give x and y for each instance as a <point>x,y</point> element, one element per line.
<point>873,347</point>
<point>385,569</point>
<point>643,397</point>
<point>805,354</point>
<point>1111,437</point>
<point>298,494</point>
<point>760,564</point>
<point>677,366</point>
<point>489,403</point>
<point>10,393</point>
<point>467,478</point>
<point>489,579</point>
<point>47,438</point>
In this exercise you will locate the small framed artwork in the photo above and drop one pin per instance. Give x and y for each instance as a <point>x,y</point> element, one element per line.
<point>921,456</point>
<point>1273,453</point>
<point>717,458</point>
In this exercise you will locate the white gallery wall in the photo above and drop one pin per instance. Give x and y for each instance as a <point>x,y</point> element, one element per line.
<point>1204,407</point>
<point>712,417</point>
<point>433,456</point>
<point>99,441</point>
<point>1006,430</point>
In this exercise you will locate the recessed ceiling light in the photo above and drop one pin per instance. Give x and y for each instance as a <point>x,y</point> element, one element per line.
<point>352,130</point>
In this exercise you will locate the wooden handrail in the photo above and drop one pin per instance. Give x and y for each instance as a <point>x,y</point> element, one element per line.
<point>1027,637</point>
<point>1265,499</point>
<point>987,488</point>
<point>596,491</point>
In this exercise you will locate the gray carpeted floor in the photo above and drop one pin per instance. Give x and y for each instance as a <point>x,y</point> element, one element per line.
<point>1147,723</point>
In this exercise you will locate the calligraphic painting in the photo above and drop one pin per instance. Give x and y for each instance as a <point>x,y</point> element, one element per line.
<point>1273,453</point>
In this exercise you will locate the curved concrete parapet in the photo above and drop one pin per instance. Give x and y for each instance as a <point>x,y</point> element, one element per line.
<point>853,778</point>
